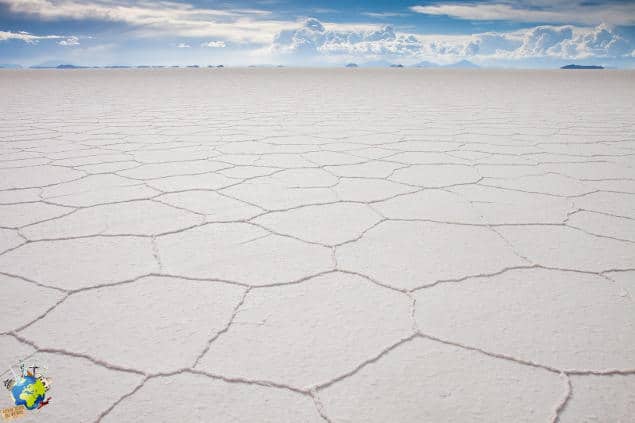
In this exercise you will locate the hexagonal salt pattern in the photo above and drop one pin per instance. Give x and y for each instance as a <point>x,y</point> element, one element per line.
<point>226,401</point>
<point>241,253</point>
<point>24,301</point>
<point>289,251</point>
<point>211,205</point>
<point>423,380</point>
<point>9,239</point>
<point>70,376</point>
<point>97,189</point>
<point>621,228</point>
<point>601,398</point>
<point>537,319</point>
<point>131,218</point>
<point>434,176</point>
<point>309,333</point>
<point>82,262</point>
<point>271,194</point>
<point>36,176</point>
<point>329,224</point>
<point>12,351</point>
<point>430,204</point>
<point>74,396</point>
<point>149,315</point>
<point>431,247</point>
<point>22,214</point>
<point>568,248</point>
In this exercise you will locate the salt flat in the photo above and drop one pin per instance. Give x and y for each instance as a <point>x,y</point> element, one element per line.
<point>295,245</point>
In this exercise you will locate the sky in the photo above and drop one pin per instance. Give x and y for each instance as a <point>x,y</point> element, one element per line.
<point>494,33</point>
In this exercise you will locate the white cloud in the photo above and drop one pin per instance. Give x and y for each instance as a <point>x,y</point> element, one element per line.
<point>313,38</point>
<point>26,37</point>
<point>555,11</point>
<point>567,42</point>
<point>70,41</point>
<point>214,44</point>
<point>259,36</point>
<point>161,17</point>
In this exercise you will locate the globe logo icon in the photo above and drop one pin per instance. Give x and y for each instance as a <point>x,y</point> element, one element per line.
<point>27,388</point>
<point>29,392</point>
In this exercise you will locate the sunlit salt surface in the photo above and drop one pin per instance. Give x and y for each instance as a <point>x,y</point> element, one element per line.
<point>295,245</point>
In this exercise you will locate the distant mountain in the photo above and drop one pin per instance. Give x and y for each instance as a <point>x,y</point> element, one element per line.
<point>352,65</point>
<point>425,64</point>
<point>397,66</point>
<point>9,66</point>
<point>49,64</point>
<point>70,67</point>
<point>56,65</point>
<point>463,64</point>
<point>117,67</point>
<point>581,67</point>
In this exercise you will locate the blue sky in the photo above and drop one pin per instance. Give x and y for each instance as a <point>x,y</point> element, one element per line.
<point>497,33</point>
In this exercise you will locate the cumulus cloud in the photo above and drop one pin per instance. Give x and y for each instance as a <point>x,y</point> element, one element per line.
<point>313,38</point>
<point>214,44</point>
<point>70,41</point>
<point>554,11</point>
<point>26,37</point>
<point>568,42</point>
<point>183,45</point>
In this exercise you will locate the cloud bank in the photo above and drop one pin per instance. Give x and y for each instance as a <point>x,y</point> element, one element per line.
<point>554,11</point>
<point>314,39</point>
<point>253,34</point>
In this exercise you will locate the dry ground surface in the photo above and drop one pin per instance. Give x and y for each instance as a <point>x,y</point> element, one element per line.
<point>280,245</point>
